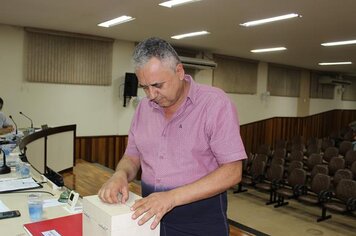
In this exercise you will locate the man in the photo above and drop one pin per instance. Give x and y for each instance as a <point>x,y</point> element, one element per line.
<point>186,139</point>
<point>5,126</point>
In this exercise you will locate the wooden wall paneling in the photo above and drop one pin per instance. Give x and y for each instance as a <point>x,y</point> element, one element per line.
<point>108,150</point>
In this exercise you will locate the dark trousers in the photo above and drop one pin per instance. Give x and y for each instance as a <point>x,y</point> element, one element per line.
<point>202,218</point>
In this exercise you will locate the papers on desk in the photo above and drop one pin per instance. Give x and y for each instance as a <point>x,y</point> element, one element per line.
<point>3,207</point>
<point>9,185</point>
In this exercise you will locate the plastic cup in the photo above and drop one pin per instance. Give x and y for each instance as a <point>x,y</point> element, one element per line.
<point>25,170</point>
<point>35,206</point>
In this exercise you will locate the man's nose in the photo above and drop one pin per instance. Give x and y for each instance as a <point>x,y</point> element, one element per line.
<point>151,93</point>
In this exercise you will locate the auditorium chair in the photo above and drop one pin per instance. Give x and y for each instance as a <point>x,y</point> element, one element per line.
<point>254,176</point>
<point>353,169</point>
<point>312,141</point>
<point>335,164</point>
<point>261,157</point>
<point>350,158</point>
<point>292,189</point>
<point>274,176</point>
<point>327,142</point>
<point>343,200</point>
<point>311,149</point>
<point>319,169</point>
<point>264,149</point>
<point>344,147</point>
<point>246,167</point>
<point>329,153</point>
<point>313,159</point>
<point>280,153</point>
<point>277,161</point>
<point>341,174</point>
<point>293,165</point>
<point>316,194</point>
<point>295,155</point>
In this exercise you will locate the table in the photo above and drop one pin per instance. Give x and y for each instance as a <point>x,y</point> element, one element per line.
<point>18,201</point>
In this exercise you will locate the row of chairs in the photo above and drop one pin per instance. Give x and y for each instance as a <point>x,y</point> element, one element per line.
<point>310,179</point>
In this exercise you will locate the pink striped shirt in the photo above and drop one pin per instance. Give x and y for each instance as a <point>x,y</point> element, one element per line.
<point>203,134</point>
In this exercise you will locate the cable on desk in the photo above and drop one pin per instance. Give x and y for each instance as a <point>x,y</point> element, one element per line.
<point>16,191</point>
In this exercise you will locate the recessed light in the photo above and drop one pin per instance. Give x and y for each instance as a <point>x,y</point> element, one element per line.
<point>334,63</point>
<point>268,49</point>
<point>268,20</point>
<point>116,21</point>
<point>174,3</point>
<point>339,43</point>
<point>190,34</point>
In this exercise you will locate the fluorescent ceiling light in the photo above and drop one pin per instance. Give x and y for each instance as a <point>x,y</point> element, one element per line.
<point>116,21</point>
<point>190,34</point>
<point>174,3</point>
<point>335,63</point>
<point>268,20</point>
<point>339,43</point>
<point>268,49</point>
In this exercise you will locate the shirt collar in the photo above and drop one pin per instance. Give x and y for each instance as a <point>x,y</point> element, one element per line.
<point>192,89</point>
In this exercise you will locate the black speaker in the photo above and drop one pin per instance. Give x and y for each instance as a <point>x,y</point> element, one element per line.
<point>130,87</point>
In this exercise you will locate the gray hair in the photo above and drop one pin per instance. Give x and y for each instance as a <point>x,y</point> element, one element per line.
<point>155,47</point>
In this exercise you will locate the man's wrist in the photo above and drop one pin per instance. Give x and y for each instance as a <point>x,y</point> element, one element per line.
<point>120,174</point>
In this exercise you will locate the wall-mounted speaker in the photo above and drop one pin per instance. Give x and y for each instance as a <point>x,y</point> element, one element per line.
<point>130,87</point>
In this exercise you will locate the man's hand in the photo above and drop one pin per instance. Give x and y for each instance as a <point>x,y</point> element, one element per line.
<point>155,205</point>
<point>116,184</point>
<point>9,129</point>
<point>6,130</point>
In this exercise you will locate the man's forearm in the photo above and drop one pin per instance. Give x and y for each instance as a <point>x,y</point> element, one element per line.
<point>128,166</point>
<point>216,182</point>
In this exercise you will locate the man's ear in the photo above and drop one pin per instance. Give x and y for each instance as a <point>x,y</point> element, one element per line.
<point>180,71</point>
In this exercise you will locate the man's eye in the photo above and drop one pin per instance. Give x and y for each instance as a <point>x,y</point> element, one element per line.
<point>158,85</point>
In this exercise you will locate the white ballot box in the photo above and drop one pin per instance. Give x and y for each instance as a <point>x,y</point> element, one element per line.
<point>103,219</point>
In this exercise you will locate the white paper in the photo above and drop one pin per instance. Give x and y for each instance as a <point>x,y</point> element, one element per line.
<point>17,184</point>
<point>3,207</point>
<point>51,233</point>
<point>52,203</point>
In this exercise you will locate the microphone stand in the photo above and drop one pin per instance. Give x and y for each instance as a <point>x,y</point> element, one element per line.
<point>27,118</point>
<point>14,123</point>
<point>4,169</point>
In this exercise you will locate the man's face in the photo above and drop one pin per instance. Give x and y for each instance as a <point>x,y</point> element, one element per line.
<point>161,84</point>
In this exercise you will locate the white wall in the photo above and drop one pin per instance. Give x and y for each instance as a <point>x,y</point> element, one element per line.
<point>98,110</point>
<point>321,105</point>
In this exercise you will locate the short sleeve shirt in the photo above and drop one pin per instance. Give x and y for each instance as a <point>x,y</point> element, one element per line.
<point>202,135</point>
<point>3,121</point>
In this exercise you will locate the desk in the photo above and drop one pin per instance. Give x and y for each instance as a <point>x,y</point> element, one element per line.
<point>18,201</point>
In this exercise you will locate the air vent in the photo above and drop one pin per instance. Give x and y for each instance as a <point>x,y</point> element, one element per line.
<point>333,81</point>
<point>197,63</point>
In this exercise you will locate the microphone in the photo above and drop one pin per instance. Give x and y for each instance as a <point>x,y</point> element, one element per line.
<point>14,123</point>
<point>27,118</point>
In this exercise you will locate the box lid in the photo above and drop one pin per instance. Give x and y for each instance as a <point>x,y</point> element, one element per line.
<point>111,216</point>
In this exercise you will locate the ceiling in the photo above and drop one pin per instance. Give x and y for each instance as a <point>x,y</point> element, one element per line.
<point>321,21</point>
